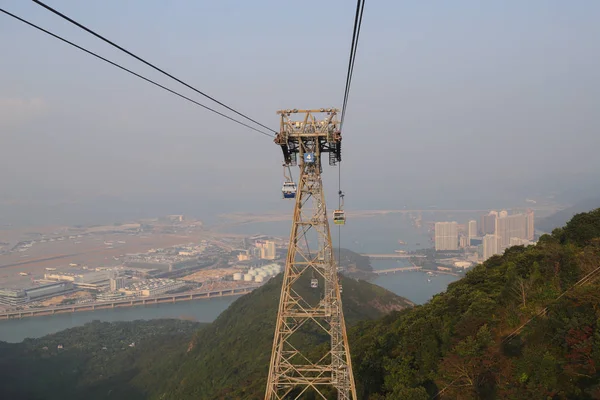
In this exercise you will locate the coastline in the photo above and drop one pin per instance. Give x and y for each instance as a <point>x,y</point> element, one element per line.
<point>134,302</point>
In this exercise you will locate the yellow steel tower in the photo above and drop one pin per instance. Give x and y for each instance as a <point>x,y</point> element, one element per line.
<point>311,295</point>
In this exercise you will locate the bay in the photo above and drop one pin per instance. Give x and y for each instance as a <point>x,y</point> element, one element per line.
<point>377,234</point>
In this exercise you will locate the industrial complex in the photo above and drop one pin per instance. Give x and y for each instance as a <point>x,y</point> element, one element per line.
<point>193,267</point>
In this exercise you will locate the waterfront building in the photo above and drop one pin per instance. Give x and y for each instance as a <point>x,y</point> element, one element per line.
<point>152,287</point>
<point>23,295</point>
<point>80,277</point>
<point>446,235</point>
<point>117,283</point>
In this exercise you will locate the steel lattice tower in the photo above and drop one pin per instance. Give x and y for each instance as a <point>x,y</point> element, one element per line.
<point>296,367</point>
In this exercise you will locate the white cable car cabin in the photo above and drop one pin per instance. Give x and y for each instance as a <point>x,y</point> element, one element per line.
<point>314,283</point>
<point>339,217</point>
<point>289,190</point>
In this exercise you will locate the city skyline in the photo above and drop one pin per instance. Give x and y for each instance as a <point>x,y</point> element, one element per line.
<point>497,231</point>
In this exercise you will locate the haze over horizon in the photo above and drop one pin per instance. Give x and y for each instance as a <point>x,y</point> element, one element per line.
<point>451,105</point>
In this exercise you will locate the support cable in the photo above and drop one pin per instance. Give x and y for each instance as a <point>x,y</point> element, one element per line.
<point>360,5</point>
<point>133,73</point>
<point>339,208</point>
<point>147,63</point>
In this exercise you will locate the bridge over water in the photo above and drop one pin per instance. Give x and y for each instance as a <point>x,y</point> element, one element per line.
<point>394,256</point>
<point>393,270</point>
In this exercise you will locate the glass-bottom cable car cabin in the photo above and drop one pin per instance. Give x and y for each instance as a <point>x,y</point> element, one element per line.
<point>289,190</point>
<point>339,217</point>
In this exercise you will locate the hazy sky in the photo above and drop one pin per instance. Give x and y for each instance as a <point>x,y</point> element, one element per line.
<point>451,101</point>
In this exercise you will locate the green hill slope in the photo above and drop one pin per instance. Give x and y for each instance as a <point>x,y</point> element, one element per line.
<point>230,358</point>
<point>459,343</point>
<point>171,359</point>
<point>97,361</point>
<point>466,343</point>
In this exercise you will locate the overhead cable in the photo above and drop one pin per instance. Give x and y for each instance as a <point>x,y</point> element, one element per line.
<point>133,73</point>
<point>360,5</point>
<point>148,63</point>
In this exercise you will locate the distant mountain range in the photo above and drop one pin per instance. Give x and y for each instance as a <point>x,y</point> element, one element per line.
<point>561,217</point>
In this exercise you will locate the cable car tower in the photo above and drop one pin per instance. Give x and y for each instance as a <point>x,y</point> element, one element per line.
<point>310,295</point>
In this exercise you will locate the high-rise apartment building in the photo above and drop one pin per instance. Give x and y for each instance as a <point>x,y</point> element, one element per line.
<point>267,251</point>
<point>530,225</point>
<point>472,229</point>
<point>488,223</point>
<point>490,246</point>
<point>116,282</point>
<point>510,226</point>
<point>446,235</point>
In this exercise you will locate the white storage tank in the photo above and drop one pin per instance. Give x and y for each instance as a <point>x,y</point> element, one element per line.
<point>237,276</point>
<point>248,278</point>
<point>259,278</point>
<point>252,272</point>
<point>263,274</point>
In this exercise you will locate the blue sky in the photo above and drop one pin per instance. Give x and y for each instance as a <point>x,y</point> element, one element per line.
<point>456,101</point>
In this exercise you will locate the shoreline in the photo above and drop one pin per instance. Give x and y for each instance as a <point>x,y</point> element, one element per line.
<point>127,303</point>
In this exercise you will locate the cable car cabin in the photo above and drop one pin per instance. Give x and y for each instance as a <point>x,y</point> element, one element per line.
<point>289,190</point>
<point>339,217</point>
<point>341,289</point>
<point>314,283</point>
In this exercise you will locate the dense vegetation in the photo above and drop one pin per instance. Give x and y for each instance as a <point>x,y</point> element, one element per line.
<point>460,341</point>
<point>96,361</point>
<point>230,358</point>
<point>466,343</point>
<point>354,265</point>
<point>171,359</point>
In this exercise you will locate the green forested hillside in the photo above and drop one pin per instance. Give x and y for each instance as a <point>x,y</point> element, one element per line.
<point>171,359</point>
<point>97,361</point>
<point>355,265</point>
<point>230,358</point>
<point>465,343</point>
<point>459,343</point>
